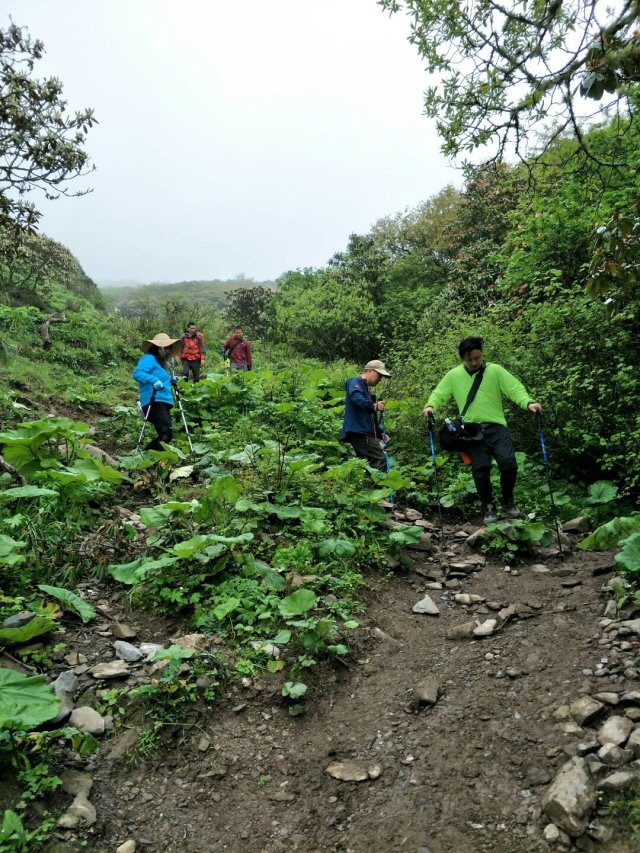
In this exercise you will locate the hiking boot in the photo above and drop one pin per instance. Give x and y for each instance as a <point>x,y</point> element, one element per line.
<point>490,516</point>
<point>513,512</point>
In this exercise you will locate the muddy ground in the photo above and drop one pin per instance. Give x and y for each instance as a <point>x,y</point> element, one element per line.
<point>465,775</point>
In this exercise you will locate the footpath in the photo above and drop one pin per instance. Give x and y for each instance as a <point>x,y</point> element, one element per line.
<point>486,708</point>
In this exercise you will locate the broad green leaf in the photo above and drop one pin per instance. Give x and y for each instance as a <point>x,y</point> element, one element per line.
<point>12,831</point>
<point>8,550</point>
<point>36,627</point>
<point>535,532</point>
<point>225,488</point>
<point>137,570</point>
<point>93,469</point>
<point>225,608</point>
<point>340,548</point>
<point>70,600</point>
<point>186,549</point>
<point>25,701</point>
<point>612,533</point>
<point>339,649</point>
<point>240,539</point>
<point>246,456</point>
<point>284,512</point>
<point>407,535</point>
<point>629,557</point>
<point>174,653</point>
<point>297,603</point>
<point>283,637</point>
<point>20,492</point>
<point>602,492</point>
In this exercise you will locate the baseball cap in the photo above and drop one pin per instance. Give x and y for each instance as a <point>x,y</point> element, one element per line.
<point>378,366</point>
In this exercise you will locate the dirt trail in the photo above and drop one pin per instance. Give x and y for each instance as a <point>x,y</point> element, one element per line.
<point>464,775</point>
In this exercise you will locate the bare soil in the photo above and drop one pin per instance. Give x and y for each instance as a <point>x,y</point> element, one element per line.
<point>465,775</point>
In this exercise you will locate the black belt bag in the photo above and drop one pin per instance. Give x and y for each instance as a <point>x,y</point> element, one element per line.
<point>455,434</point>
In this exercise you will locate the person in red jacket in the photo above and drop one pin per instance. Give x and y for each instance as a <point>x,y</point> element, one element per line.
<point>193,352</point>
<point>238,350</point>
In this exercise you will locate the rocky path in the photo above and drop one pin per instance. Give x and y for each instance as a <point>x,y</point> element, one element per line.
<point>468,773</point>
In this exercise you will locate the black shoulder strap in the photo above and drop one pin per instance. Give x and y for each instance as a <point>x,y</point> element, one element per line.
<point>473,390</point>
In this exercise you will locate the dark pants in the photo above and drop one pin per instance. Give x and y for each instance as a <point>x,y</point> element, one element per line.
<point>193,367</point>
<point>367,447</point>
<point>497,445</point>
<point>160,417</point>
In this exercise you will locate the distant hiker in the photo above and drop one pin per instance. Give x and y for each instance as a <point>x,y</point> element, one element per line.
<point>154,382</point>
<point>237,350</point>
<point>360,427</point>
<point>485,410</point>
<point>193,351</point>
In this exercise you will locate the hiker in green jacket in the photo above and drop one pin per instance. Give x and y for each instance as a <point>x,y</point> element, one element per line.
<point>486,410</point>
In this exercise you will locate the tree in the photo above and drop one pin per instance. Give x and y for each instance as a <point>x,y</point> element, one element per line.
<point>250,307</point>
<point>30,263</point>
<point>41,147</point>
<point>507,67</point>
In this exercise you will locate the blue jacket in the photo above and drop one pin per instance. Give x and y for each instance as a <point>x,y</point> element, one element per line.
<point>359,412</point>
<point>148,371</point>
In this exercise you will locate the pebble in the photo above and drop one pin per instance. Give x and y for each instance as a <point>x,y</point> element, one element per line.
<point>127,652</point>
<point>352,771</point>
<point>87,720</point>
<point>486,628</point>
<point>111,669</point>
<point>426,605</point>
<point>128,847</point>
<point>426,691</point>
<point>122,632</point>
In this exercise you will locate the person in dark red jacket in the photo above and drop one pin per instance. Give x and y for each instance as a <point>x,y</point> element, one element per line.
<point>238,350</point>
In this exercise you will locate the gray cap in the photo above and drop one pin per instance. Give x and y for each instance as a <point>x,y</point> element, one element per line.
<point>378,366</point>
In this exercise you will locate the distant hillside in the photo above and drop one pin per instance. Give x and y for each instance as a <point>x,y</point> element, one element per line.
<point>128,300</point>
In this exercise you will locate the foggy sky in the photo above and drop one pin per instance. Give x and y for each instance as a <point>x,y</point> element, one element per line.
<point>233,138</point>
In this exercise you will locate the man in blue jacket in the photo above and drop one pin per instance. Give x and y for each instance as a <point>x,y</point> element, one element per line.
<point>360,427</point>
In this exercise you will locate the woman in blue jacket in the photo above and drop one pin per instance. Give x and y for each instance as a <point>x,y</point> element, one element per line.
<point>154,382</point>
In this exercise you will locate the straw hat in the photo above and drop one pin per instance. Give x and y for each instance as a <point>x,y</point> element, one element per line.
<point>172,346</point>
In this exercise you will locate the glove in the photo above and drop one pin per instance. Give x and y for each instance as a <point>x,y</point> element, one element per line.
<point>157,385</point>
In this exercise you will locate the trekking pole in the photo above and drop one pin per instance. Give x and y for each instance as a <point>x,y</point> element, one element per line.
<point>385,448</point>
<point>545,460</point>
<point>431,424</point>
<point>174,382</point>
<point>144,421</point>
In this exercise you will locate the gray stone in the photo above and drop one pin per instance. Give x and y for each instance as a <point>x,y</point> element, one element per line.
<point>379,634</point>
<point>426,605</point>
<point>562,714</point>
<point>541,569</point>
<point>122,632</point>
<point>597,768</point>
<point>18,619</point>
<point>128,847</point>
<point>616,730</point>
<point>633,625</point>
<point>571,797</point>
<point>631,697</point>
<point>464,631</point>
<point>537,776</point>
<point>633,714</point>
<point>581,524</point>
<point>587,746</point>
<point>486,628</point>
<point>149,649</point>
<point>348,771</point>
<point>423,544</point>
<point>128,652</point>
<point>553,835</point>
<point>426,691</point>
<point>87,720</point>
<point>600,833</point>
<point>75,782</point>
<point>80,810</point>
<point>111,669</point>
<point>607,698</point>
<point>466,598</point>
<point>65,684</point>
<point>614,756</point>
<point>634,743</point>
<point>585,709</point>
<point>412,514</point>
<point>619,781</point>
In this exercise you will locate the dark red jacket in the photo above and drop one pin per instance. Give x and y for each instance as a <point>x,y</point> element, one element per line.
<point>239,351</point>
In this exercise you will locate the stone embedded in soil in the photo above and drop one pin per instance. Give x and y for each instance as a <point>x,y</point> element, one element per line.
<point>581,524</point>
<point>127,652</point>
<point>80,810</point>
<point>631,697</point>
<point>412,514</point>
<point>122,632</point>
<point>111,669</point>
<point>540,569</point>
<point>633,625</point>
<point>634,743</point>
<point>619,781</point>
<point>586,746</point>
<point>464,631</point>
<point>571,797</point>
<point>426,691</point>
<point>87,720</point>
<point>191,642</point>
<point>423,544</point>
<point>585,709</point>
<point>75,782</point>
<point>607,698</point>
<point>554,835</point>
<point>379,634</point>
<point>476,537</point>
<point>616,730</point>
<point>486,628</point>
<point>352,771</point>
<point>18,620</point>
<point>597,768</point>
<point>129,846</point>
<point>466,598</point>
<point>426,605</point>
<point>204,743</point>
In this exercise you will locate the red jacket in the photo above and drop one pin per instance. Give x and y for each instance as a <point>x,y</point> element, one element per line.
<point>193,349</point>
<point>239,351</point>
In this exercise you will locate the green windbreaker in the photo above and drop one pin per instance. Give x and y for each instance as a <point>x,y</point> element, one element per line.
<point>487,405</point>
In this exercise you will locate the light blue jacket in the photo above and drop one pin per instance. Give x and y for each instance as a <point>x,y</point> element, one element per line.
<point>148,371</point>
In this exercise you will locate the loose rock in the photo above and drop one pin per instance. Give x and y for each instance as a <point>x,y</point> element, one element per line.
<point>128,847</point>
<point>87,720</point>
<point>350,771</point>
<point>122,632</point>
<point>127,652</point>
<point>426,605</point>
<point>426,691</point>
<point>18,620</point>
<point>571,797</point>
<point>486,628</point>
<point>616,730</point>
<point>111,669</point>
<point>585,709</point>
<point>464,631</point>
<point>619,781</point>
